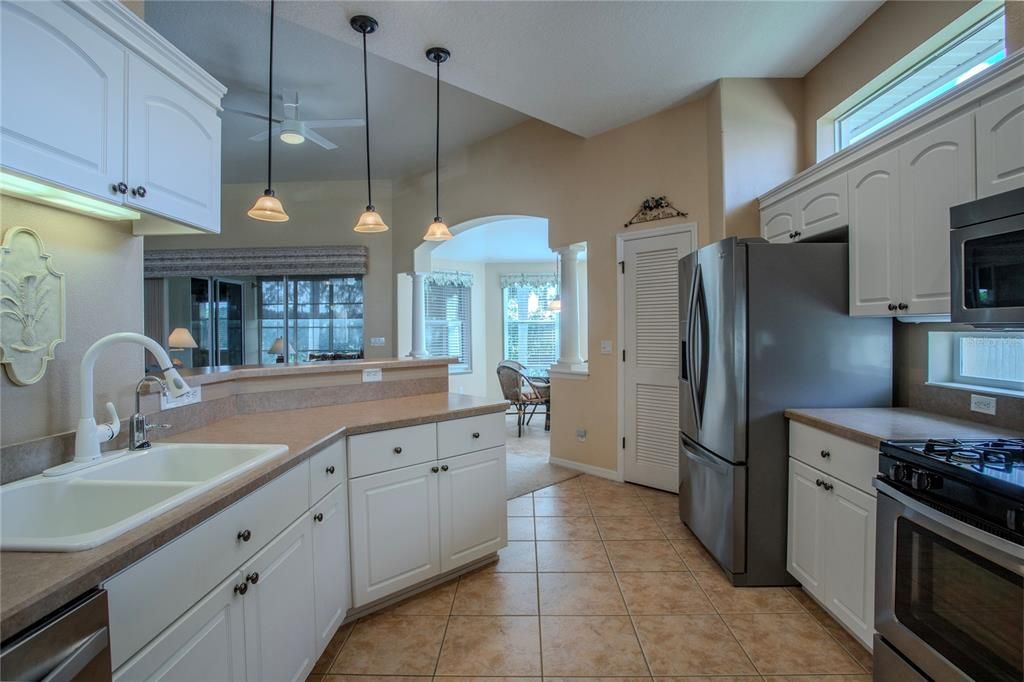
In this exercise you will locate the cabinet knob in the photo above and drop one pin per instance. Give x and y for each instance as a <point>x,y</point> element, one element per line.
<point>827,486</point>
<point>791,234</point>
<point>318,517</point>
<point>444,467</point>
<point>825,454</point>
<point>903,306</point>
<point>476,434</point>
<point>330,470</point>
<point>245,535</point>
<point>434,470</point>
<point>819,482</point>
<point>119,188</point>
<point>139,191</point>
<point>398,450</point>
<point>891,306</point>
<point>253,577</point>
<point>241,588</point>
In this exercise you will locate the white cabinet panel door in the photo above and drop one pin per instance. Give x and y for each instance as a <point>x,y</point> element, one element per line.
<point>936,172</point>
<point>62,113</point>
<point>173,149</point>
<point>395,528</point>
<point>473,508</point>
<point>207,643</point>
<point>779,221</point>
<point>823,207</point>
<point>332,582</point>
<point>279,612</point>
<point>1000,131</point>
<point>874,193</point>
<point>850,564</point>
<point>806,528</point>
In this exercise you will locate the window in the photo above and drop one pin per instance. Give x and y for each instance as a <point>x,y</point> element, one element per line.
<point>530,334</point>
<point>977,359</point>
<point>968,54</point>
<point>448,299</point>
<point>311,314</point>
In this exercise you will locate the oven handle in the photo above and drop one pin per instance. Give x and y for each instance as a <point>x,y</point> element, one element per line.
<point>993,542</point>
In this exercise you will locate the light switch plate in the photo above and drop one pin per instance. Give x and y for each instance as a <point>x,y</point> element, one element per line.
<point>606,347</point>
<point>581,435</point>
<point>377,341</point>
<point>190,398</point>
<point>986,404</point>
<point>372,375</point>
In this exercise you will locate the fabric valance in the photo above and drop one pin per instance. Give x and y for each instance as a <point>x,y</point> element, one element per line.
<point>272,261</point>
<point>449,278</point>
<point>538,280</point>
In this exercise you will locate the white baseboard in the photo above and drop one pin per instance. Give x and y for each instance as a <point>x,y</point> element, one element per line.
<point>610,474</point>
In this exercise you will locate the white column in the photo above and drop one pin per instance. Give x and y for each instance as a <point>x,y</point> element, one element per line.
<point>419,319</point>
<point>569,358</point>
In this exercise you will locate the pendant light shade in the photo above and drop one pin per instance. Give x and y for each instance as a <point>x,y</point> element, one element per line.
<point>268,207</point>
<point>438,230</point>
<point>370,220</point>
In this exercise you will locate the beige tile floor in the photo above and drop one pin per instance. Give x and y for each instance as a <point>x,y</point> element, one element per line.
<point>599,579</point>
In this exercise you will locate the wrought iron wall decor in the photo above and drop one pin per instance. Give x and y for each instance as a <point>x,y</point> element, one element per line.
<point>655,208</point>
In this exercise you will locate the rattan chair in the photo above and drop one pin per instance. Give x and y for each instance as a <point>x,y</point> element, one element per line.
<point>523,393</point>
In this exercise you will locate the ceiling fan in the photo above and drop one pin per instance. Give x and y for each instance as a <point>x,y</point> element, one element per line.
<point>293,130</point>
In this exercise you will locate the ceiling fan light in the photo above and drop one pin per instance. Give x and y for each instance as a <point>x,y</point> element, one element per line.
<point>370,221</point>
<point>291,137</point>
<point>437,232</point>
<point>269,209</point>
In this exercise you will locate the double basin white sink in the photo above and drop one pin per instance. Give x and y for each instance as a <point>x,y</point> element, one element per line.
<point>81,510</point>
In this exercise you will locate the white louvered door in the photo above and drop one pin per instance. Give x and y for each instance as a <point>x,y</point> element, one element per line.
<point>651,361</point>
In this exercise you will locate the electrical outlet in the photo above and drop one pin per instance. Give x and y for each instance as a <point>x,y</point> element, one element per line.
<point>376,340</point>
<point>372,375</point>
<point>606,347</point>
<point>581,435</point>
<point>190,398</point>
<point>986,404</point>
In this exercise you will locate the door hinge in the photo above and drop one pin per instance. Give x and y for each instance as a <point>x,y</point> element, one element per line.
<point>623,354</point>
<point>622,266</point>
<point>623,442</point>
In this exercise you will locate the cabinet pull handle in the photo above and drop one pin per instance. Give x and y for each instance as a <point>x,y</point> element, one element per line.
<point>253,577</point>
<point>829,486</point>
<point>444,467</point>
<point>476,434</point>
<point>330,470</point>
<point>119,188</point>
<point>241,588</point>
<point>245,535</point>
<point>318,517</point>
<point>398,450</point>
<point>139,191</point>
<point>434,470</point>
<point>819,483</point>
<point>825,454</point>
<point>892,306</point>
<point>903,306</point>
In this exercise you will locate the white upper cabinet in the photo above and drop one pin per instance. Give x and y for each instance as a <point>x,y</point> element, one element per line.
<point>62,111</point>
<point>173,149</point>
<point>822,208</point>
<point>936,173</point>
<point>874,193</point>
<point>778,221</point>
<point>1000,137</point>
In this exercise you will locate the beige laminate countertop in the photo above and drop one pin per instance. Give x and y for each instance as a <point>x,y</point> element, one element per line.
<point>212,375</point>
<point>872,425</point>
<point>33,584</point>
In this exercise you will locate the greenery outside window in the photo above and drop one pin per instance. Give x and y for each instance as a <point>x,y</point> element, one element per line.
<point>448,304</point>
<point>530,326</point>
<point>311,314</point>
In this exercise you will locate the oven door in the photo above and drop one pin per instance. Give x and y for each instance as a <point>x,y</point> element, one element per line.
<point>948,596</point>
<point>987,276</point>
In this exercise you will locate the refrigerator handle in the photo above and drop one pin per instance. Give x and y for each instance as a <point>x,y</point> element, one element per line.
<point>702,378</point>
<point>691,366</point>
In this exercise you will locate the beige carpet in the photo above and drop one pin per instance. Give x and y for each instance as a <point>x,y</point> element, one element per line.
<point>528,467</point>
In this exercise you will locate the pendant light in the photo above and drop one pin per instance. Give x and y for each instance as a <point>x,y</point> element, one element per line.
<point>268,207</point>
<point>370,220</point>
<point>438,231</point>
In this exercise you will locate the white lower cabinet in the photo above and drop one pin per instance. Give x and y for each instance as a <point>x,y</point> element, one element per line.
<point>331,575</point>
<point>472,526</point>
<point>831,545</point>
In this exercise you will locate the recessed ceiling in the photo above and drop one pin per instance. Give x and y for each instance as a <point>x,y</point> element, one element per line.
<point>588,67</point>
<point>229,39</point>
<point>511,240</point>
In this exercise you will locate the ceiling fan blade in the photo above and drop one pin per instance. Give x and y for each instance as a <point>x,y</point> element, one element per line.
<point>251,114</point>
<point>316,137</point>
<point>259,137</point>
<point>336,123</point>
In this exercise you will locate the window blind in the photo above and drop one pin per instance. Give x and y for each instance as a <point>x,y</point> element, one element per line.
<point>530,326</point>
<point>447,310</point>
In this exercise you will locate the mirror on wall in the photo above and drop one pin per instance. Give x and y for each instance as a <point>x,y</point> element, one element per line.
<point>219,321</point>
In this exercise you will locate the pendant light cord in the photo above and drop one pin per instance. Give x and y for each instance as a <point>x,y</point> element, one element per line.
<point>366,112</point>
<point>270,102</point>
<point>437,150</point>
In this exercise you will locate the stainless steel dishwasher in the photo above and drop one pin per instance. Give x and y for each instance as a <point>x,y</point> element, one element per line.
<point>71,644</point>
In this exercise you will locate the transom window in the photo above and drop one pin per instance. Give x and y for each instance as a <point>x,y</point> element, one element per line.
<point>530,334</point>
<point>448,302</point>
<point>970,53</point>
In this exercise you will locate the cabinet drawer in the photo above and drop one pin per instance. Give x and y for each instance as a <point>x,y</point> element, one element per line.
<point>850,462</point>
<point>459,436</point>
<point>326,470</point>
<point>370,453</point>
<point>152,593</point>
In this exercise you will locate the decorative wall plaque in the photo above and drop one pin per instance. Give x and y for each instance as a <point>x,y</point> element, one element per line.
<point>31,306</point>
<point>655,208</point>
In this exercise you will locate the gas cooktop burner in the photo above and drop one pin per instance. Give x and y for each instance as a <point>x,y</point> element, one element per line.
<point>1002,452</point>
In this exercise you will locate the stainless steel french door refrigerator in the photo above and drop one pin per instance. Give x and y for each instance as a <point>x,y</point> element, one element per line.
<point>764,327</point>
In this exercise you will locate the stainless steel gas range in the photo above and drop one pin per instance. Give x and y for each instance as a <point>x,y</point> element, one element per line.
<point>949,585</point>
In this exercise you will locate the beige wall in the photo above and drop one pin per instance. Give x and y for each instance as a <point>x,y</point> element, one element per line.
<point>103,265</point>
<point>1014,26</point>
<point>322,214</point>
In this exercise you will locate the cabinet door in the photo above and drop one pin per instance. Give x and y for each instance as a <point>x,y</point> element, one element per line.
<point>393,517</point>
<point>473,509</point>
<point>63,104</point>
<point>779,221</point>
<point>936,172</point>
<point>823,207</point>
<point>279,612</point>
<point>1000,137</point>
<point>332,582</point>
<point>850,559</point>
<point>173,149</point>
<point>874,191</point>
<point>207,643</point>
<point>806,527</point>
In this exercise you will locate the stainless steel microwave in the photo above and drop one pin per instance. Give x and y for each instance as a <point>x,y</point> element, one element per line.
<point>987,261</point>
